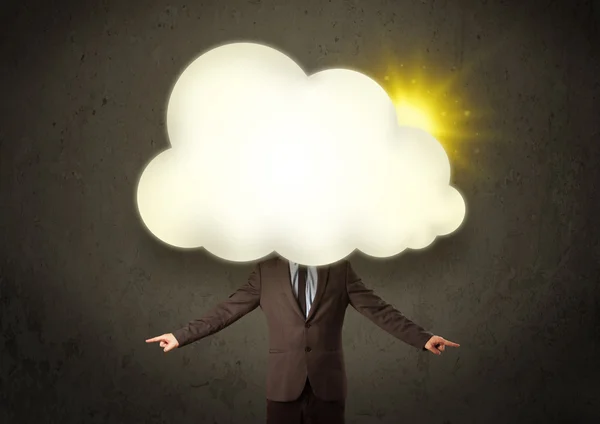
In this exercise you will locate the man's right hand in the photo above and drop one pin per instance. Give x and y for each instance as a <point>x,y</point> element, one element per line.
<point>167,341</point>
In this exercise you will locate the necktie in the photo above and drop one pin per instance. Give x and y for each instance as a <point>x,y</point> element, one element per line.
<point>302,288</point>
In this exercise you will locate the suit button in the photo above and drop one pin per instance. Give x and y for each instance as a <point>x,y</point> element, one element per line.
<point>307,325</point>
<point>307,349</point>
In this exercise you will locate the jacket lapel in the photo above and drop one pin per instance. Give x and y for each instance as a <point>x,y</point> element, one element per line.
<point>322,280</point>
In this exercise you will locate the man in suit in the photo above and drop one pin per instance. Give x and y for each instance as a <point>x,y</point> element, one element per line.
<point>306,377</point>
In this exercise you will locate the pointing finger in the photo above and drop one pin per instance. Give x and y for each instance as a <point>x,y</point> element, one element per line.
<point>449,343</point>
<point>154,339</point>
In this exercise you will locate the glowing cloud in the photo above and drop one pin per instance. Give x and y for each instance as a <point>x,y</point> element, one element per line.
<point>265,158</point>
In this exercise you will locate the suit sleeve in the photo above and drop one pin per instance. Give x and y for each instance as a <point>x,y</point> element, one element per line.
<point>241,302</point>
<point>384,315</point>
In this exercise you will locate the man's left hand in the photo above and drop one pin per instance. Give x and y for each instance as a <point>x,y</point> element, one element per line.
<point>437,344</point>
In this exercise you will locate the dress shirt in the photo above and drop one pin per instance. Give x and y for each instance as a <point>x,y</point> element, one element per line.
<point>311,283</point>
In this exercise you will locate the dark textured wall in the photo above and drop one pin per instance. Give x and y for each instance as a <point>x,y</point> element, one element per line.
<point>84,89</point>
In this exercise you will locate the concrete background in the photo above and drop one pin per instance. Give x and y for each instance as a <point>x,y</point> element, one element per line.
<point>83,284</point>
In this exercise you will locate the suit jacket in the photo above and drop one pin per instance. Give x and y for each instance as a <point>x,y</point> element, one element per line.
<point>300,348</point>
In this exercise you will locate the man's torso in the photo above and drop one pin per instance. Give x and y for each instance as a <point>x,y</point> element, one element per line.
<point>301,347</point>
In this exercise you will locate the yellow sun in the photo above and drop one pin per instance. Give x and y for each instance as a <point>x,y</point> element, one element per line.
<point>432,104</point>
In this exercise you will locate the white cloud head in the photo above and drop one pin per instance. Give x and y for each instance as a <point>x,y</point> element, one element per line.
<point>264,158</point>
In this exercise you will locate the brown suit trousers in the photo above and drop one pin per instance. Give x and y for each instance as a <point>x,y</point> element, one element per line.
<point>304,348</point>
<point>307,409</point>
